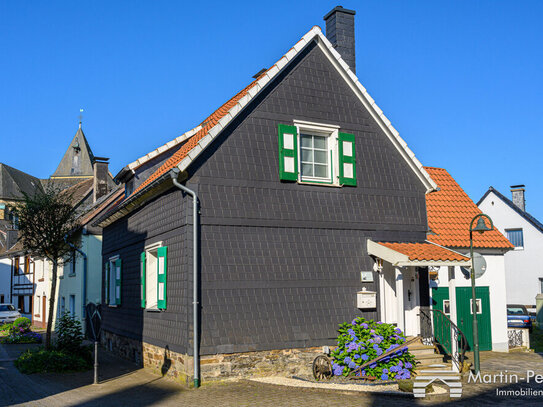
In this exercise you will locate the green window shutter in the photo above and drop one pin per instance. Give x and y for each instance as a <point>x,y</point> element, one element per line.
<point>106,285</point>
<point>288,152</point>
<point>347,159</point>
<point>118,282</point>
<point>162,271</point>
<point>142,276</point>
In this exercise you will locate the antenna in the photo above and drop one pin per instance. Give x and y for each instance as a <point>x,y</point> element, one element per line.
<point>80,117</point>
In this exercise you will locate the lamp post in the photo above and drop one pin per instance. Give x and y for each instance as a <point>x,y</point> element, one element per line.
<point>481,228</point>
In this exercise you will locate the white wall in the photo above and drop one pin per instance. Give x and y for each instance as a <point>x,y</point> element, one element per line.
<point>5,279</point>
<point>523,268</point>
<point>494,279</point>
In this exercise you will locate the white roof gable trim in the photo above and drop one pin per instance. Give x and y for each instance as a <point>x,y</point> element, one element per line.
<point>176,141</point>
<point>347,75</point>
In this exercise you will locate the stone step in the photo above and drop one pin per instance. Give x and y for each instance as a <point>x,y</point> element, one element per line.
<point>425,360</point>
<point>422,350</point>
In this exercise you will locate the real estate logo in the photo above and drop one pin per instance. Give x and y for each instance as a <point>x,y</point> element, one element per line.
<point>449,378</point>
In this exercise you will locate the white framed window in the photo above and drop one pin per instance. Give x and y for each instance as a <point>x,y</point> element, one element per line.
<point>153,275</point>
<point>478,305</point>
<point>113,274</point>
<point>516,237</point>
<point>316,153</point>
<point>447,307</point>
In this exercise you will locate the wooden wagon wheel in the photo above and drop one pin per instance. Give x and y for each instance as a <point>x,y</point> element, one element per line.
<point>322,368</point>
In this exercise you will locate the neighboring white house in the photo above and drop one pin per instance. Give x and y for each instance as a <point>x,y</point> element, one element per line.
<point>523,272</point>
<point>450,211</point>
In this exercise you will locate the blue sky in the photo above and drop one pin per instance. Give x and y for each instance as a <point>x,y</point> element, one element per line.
<point>460,80</point>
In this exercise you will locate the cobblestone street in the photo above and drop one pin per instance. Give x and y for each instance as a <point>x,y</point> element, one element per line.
<point>123,384</point>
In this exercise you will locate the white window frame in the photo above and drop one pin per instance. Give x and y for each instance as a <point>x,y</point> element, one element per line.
<point>516,230</point>
<point>151,276</point>
<point>448,306</point>
<point>319,129</point>
<point>112,284</point>
<point>479,306</point>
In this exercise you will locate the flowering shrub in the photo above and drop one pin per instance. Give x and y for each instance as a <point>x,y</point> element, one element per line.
<point>364,340</point>
<point>19,332</point>
<point>69,334</point>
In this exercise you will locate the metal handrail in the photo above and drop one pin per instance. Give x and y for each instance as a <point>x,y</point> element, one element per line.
<point>457,336</point>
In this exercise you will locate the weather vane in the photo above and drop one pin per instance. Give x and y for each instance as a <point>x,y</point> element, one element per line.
<point>80,117</point>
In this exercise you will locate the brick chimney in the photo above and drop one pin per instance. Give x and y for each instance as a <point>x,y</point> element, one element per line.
<point>340,32</point>
<point>101,173</point>
<point>517,192</point>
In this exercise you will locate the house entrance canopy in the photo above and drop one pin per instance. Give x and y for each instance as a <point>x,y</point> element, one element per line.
<point>416,254</point>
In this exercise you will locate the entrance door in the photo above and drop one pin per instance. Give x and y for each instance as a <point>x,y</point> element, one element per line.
<point>411,301</point>
<point>440,301</point>
<point>465,316</point>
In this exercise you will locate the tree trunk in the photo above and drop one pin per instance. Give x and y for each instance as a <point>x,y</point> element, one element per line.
<point>51,305</point>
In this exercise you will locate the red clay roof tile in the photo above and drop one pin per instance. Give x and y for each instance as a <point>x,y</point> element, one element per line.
<point>425,251</point>
<point>450,211</point>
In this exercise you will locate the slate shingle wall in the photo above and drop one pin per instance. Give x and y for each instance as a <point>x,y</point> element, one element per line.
<point>280,262</point>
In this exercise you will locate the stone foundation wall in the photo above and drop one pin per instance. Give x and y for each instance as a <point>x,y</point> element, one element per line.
<point>282,362</point>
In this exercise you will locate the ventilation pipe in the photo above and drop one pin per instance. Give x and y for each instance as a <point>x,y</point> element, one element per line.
<point>174,173</point>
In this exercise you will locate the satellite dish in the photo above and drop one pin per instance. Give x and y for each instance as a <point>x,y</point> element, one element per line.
<point>479,266</point>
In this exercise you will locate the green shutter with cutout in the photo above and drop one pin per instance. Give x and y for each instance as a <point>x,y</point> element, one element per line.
<point>142,277</point>
<point>288,153</point>
<point>106,282</point>
<point>118,273</point>
<point>347,159</point>
<point>162,271</point>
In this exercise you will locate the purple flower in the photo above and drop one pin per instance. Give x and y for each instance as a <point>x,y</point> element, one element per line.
<point>373,365</point>
<point>375,346</point>
<point>347,360</point>
<point>352,346</point>
<point>357,356</point>
<point>408,365</point>
<point>338,370</point>
<point>364,357</point>
<point>385,370</point>
<point>394,369</point>
<point>398,330</point>
<point>352,365</point>
<point>379,352</point>
<point>372,331</point>
<point>353,322</point>
<point>364,325</point>
<point>379,322</point>
<point>384,376</point>
<point>400,363</point>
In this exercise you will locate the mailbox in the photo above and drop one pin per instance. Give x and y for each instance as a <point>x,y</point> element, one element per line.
<point>366,299</point>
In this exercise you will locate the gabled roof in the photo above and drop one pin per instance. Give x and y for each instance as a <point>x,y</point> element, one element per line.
<point>78,160</point>
<point>529,218</point>
<point>13,183</point>
<point>450,211</point>
<point>192,145</point>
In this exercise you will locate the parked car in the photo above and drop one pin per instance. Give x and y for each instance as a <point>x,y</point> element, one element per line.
<point>8,313</point>
<point>518,317</point>
<point>532,312</point>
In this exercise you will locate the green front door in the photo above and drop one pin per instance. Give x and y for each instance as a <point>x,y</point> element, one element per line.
<point>465,316</point>
<point>440,299</point>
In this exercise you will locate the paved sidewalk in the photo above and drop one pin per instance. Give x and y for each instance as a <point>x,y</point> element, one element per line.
<point>124,384</point>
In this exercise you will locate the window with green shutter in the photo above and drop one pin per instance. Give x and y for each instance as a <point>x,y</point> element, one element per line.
<point>316,153</point>
<point>154,271</point>
<point>142,279</point>
<point>288,152</point>
<point>347,167</point>
<point>161,277</point>
<point>106,282</point>
<point>118,275</point>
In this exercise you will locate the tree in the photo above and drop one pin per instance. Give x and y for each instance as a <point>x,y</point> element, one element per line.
<point>47,222</point>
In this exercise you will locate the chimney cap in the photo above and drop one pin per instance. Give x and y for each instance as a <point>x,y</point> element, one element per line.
<point>518,186</point>
<point>101,159</point>
<point>339,9</point>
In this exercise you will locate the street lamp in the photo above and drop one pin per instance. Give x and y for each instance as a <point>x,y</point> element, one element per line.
<point>481,228</point>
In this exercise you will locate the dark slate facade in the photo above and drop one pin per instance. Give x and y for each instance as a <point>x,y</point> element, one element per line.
<point>280,261</point>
